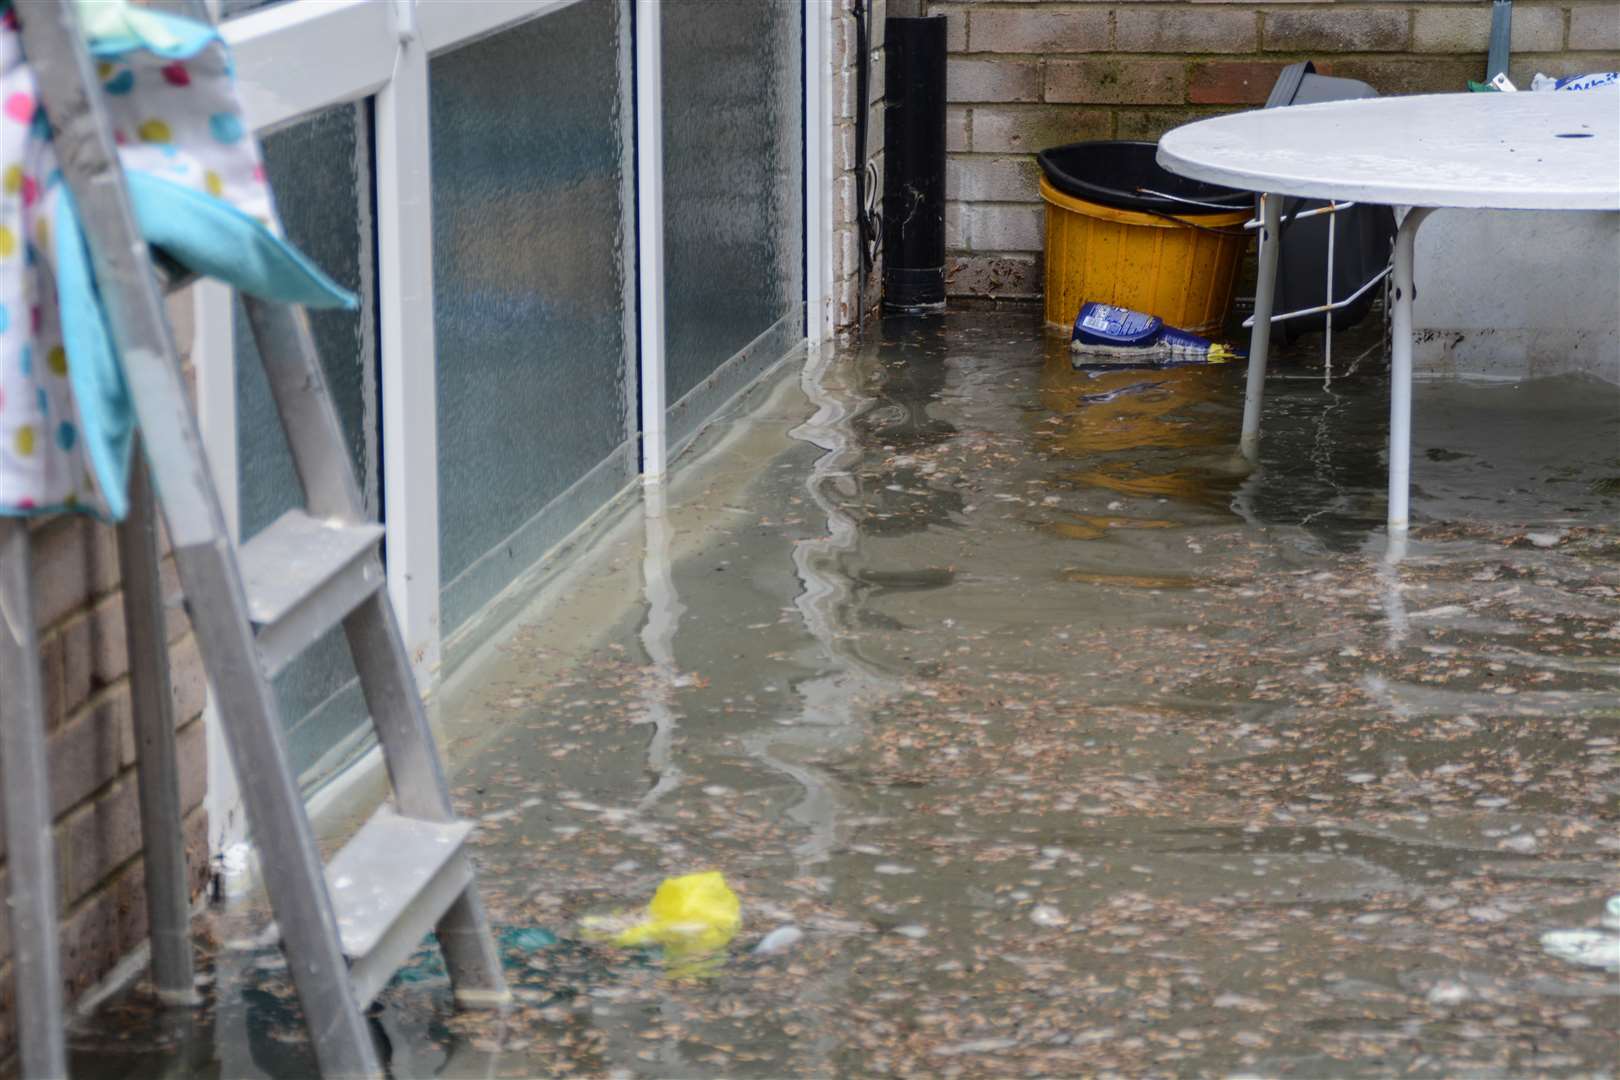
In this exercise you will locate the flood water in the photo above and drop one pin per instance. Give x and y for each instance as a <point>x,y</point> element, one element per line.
<point>1072,745</point>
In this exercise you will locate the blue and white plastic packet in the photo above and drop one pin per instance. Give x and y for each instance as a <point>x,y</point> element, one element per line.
<point>1591,81</point>
<point>1109,336</point>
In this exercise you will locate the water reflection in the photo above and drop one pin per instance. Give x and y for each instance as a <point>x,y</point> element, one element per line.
<point>1105,412</point>
<point>663,621</point>
<point>829,718</point>
<point>905,374</point>
<point>1142,433</point>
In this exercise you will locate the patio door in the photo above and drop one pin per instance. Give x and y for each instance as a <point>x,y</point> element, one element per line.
<point>534,272</point>
<point>733,131</point>
<point>470,168</point>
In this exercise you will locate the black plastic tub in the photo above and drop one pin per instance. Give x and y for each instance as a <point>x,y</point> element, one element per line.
<point>1125,176</point>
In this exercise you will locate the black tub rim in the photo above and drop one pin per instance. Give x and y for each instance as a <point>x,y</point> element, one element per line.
<point>1059,173</point>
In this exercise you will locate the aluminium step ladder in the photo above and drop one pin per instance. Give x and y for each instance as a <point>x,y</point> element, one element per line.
<point>347,927</point>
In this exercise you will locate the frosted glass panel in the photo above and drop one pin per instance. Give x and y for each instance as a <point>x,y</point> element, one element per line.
<point>533,257</point>
<point>733,170</point>
<point>321,172</point>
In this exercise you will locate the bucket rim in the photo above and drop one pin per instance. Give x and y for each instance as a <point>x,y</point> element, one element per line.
<point>1208,219</point>
<point>1076,187</point>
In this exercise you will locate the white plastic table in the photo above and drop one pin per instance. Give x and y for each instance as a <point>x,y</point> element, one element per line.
<point>1555,150</point>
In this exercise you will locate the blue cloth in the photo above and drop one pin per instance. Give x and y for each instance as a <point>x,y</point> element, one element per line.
<point>204,235</point>
<point>198,192</point>
<point>186,38</point>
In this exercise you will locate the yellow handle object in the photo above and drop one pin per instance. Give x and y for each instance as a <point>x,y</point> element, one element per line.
<point>697,913</point>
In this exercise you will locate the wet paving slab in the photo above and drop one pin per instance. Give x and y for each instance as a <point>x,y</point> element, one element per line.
<point>1069,743</point>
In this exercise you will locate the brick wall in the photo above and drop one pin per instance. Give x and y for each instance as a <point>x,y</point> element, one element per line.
<point>846,255</point>
<point>1026,75</point>
<point>79,611</point>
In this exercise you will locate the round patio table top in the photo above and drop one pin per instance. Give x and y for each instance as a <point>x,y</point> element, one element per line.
<point>1549,150</point>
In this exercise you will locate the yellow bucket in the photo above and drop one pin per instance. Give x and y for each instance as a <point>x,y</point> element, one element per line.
<point>1181,268</point>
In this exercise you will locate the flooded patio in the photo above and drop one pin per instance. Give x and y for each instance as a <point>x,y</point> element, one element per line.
<point>1069,744</point>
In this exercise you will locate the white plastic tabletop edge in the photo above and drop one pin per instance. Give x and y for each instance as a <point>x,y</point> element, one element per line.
<point>1394,150</point>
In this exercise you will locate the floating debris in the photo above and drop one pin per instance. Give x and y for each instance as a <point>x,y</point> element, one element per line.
<point>1047,915</point>
<point>1589,948</point>
<point>691,915</point>
<point>779,940</point>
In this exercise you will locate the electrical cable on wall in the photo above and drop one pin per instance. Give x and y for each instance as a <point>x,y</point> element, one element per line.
<point>868,220</point>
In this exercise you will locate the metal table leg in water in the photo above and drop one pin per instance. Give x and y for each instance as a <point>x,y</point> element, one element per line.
<point>1400,374</point>
<point>1400,393</point>
<point>1260,337</point>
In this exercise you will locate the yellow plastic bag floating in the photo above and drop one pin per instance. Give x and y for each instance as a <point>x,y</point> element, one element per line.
<point>690,917</point>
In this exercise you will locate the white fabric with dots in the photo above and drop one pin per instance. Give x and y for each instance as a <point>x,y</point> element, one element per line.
<point>177,120</point>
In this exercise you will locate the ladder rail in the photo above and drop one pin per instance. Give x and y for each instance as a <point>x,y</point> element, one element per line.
<point>298,387</point>
<point>420,790</point>
<point>320,456</point>
<point>196,524</point>
<point>168,900</point>
<point>25,793</point>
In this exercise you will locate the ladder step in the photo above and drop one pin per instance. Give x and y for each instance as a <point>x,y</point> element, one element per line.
<point>302,575</point>
<point>389,886</point>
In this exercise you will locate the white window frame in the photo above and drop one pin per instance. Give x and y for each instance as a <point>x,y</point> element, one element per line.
<point>819,165</point>
<point>295,59</point>
<point>301,56</point>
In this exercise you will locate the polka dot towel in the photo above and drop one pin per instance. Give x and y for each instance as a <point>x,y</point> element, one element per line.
<point>198,187</point>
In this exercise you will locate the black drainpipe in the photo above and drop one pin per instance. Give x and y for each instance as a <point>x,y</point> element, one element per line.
<point>914,164</point>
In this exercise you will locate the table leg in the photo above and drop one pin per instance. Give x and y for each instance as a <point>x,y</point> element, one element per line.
<point>1265,288</point>
<point>1400,374</point>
